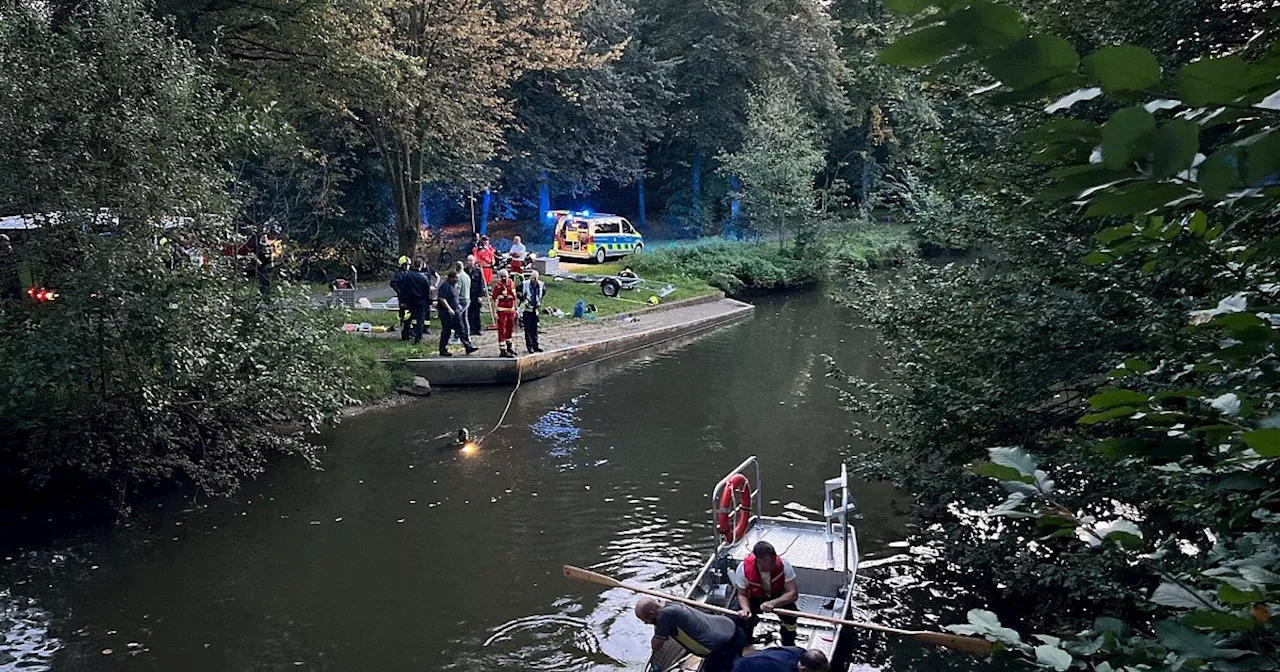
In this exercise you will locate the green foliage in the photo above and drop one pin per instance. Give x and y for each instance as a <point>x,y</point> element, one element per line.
<point>777,164</point>
<point>1124,365</point>
<point>147,370</point>
<point>730,267</point>
<point>588,124</point>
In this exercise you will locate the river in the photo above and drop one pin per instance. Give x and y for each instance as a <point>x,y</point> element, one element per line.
<point>405,554</point>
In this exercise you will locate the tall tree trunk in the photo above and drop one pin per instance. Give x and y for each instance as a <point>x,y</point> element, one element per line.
<point>640,197</point>
<point>866,182</point>
<point>735,203</point>
<point>404,173</point>
<point>697,186</point>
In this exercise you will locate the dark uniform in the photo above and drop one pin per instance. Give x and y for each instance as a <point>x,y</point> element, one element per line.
<point>478,291</point>
<point>413,291</point>
<point>449,324</point>
<point>716,639</point>
<point>533,293</point>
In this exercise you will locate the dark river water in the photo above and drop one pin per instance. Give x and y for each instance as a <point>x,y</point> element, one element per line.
<point>403,554</point>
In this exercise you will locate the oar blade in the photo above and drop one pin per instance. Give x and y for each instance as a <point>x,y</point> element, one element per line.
<point>580,574</point>
<point>972,645</point>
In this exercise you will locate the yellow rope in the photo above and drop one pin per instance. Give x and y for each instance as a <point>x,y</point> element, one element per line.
<point>503,417</point>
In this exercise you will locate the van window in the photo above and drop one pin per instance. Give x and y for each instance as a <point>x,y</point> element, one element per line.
<point>627,228</point>
<point>607,226</point>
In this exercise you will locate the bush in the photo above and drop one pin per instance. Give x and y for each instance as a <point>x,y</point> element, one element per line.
<point>147,371</point>
<point>731,267</point>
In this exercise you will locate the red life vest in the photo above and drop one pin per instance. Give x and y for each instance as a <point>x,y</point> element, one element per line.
<point>755,586</point>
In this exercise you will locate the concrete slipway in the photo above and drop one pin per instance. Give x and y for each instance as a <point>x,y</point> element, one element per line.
<point>609,337</point>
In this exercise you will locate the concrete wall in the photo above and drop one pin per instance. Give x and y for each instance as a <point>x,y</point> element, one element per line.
<point>504,371</point>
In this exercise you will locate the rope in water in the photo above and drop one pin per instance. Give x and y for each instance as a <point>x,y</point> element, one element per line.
<point>503,417</point>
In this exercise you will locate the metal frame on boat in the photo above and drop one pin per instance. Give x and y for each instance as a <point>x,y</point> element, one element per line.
<point>825,578</point>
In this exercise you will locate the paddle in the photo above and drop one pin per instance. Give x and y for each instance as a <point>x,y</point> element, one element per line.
<point>973,645</point>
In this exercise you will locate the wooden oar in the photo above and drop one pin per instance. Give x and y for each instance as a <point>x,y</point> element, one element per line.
<point>973,645</point>
<point>579,574</point>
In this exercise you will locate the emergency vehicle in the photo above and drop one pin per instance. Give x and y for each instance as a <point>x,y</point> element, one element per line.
<point>598,236</point>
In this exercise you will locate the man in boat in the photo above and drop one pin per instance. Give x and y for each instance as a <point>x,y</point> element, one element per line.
<point>716,639</point>
<point>783,659</point>
<point>766,582</point>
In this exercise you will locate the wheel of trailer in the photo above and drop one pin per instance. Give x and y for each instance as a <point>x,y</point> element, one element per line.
<point>610,287</point>
<point>600,255</point>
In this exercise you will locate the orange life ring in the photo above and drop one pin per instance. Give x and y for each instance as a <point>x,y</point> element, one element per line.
<point>739,488</point>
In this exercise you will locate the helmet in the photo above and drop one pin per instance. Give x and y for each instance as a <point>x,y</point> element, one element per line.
<point>403,260</point>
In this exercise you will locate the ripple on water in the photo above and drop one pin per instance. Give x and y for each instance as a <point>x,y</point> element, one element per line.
<point>538,642</point>
<point>25,642</point>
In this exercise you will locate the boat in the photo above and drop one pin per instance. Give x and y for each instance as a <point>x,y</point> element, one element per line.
<point>823,553</point>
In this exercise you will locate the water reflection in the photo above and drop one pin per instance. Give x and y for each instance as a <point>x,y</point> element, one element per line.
<point>424,558</point>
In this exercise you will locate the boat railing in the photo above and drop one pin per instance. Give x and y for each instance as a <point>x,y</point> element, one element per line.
<point>750,468</point>
<point>837,506</point>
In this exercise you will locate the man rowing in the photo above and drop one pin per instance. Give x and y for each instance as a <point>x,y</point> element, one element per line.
<point>716,639</point>
<point>766,582</point>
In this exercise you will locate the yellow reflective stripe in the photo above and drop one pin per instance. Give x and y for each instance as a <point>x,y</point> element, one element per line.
<point>695,647</point>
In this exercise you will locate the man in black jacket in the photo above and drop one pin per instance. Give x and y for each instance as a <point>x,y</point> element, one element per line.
<point>478,291</point>
<point>413,290</point>
<point>447,301</point>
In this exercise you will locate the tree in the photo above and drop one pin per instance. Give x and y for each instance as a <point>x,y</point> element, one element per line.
<point>430,90</point>
<point>147,370</point>
<point>723,48</point>
<point>578,127</point>
<point>777,163</point>
<point>1113,373</point>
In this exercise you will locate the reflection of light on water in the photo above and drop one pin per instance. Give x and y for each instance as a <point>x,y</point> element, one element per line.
<point>25,642</point>
<point>560,427</point>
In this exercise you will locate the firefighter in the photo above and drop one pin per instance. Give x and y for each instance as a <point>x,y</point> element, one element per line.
<point>398,285</point>
<point>504,309</point>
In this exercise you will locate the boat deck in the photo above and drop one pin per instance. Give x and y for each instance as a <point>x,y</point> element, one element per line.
<point>825,563</point>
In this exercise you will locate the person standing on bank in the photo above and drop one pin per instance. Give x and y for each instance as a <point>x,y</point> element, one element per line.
<point>716,639</point>
<point>504,311</point>
<point>449,311</point>
<point>534,290</point>
<point>766,582</point>
<point>517,252</point>
<point>486,257</point>
<point>464,294</point>
<point>414,291</point>
<point>479,290</point>
<point>399,283</point>
<point>429,294</point>
<point>264,261</point>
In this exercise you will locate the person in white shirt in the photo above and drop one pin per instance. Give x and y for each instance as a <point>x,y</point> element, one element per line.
<point>517,254</point>
<point>766,582</point>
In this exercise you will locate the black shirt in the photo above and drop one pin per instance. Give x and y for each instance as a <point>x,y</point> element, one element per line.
<point>449,295</point>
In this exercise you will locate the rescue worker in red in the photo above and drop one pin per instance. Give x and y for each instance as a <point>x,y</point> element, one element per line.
<point>766,582</point>
<point>486,257</point>
<point>504,300</point>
